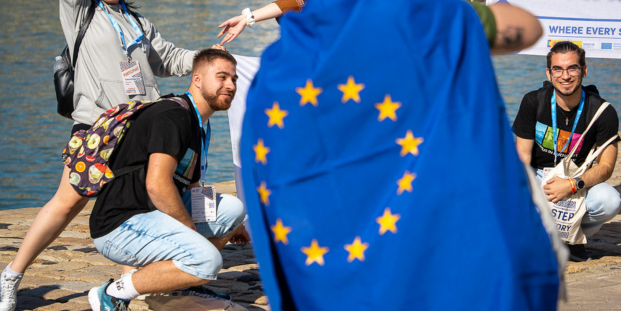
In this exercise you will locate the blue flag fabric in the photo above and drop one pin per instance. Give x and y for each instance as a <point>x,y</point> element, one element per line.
<point>379,168</point>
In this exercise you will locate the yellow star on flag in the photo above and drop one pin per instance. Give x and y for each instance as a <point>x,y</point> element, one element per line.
<point>409,144</point>
<point>356,250</point>
<point>309,93</point>
<point>387,109</point>
<point>351,90</point>
<point>264,193</point>
<point>260,152</point>
<point>405,183</point>
<point>276,115</point>
<point>314,253</point>
<point>280,232</point>
<point>388,222</point>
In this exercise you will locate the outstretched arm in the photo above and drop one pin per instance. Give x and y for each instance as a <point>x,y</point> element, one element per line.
<point>235,25</point>
<point>516,29</point>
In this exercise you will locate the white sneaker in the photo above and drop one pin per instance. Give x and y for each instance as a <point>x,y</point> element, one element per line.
<point>8,291</point>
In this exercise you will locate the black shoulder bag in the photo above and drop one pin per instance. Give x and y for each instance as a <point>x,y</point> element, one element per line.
<point>63,78</point>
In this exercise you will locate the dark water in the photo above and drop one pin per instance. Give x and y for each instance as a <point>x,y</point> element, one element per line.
<point>32,135</point>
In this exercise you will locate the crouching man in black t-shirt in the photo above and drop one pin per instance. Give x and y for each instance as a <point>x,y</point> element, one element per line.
<point>551,121</point>
<point>140,219</point>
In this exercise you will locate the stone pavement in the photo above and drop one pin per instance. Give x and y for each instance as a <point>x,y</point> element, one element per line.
<point>62,275</point>
<point>596,284</point>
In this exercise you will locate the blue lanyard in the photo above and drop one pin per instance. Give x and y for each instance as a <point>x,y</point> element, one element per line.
<point>204,141</point>
<point>573,127</point>
<point>116,26</point>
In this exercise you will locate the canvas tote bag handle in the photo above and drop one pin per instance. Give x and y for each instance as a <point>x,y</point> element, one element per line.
<point>593,155</point>
<point>573,150</point>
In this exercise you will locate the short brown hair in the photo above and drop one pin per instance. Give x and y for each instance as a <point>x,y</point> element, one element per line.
<point>208,55</point>
<point>564,47</point>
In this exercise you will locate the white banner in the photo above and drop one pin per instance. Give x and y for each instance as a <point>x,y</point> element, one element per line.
<point>594,25</point>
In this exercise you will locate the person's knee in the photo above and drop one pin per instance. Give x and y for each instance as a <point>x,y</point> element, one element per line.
<point>233,207</point>
<point>204,263</point>
<point>605,201</point>
<point>612,204</point>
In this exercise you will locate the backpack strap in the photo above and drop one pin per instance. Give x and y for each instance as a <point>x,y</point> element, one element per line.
<point>132,13</point>
<point>85,23</point>
<point>541,97</point>
<point>127,169</point>
<point>594,101</point>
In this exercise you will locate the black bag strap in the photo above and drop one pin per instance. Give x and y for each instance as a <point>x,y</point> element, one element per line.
<point>132,13</point>
<point>124,170</point>
<point>85,23</point>
<point>541,97</point>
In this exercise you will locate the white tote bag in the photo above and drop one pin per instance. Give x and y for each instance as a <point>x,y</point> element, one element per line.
<point>568,212</point>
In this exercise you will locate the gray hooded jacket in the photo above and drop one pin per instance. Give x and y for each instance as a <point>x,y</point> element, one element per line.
<point>98,84</point>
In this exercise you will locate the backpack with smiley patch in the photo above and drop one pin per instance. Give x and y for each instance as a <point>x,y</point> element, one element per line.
<point>88,152</point>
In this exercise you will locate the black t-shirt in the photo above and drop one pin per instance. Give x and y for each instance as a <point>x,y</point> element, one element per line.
<point>528,125</point>
<point>165,127</point>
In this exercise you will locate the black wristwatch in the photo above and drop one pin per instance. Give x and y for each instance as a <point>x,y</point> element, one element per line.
<point>579,183</point>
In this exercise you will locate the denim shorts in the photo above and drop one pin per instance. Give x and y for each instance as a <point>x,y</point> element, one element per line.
<point>155,236</point>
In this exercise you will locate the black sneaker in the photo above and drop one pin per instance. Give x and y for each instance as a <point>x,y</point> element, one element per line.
<point>206,291</point>
<point>578,253</point>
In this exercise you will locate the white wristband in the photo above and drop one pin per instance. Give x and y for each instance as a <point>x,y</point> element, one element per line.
<point>249,17</point>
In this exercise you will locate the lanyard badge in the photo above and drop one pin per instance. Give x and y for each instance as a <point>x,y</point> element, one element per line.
<point>116,26</point>
<point>204,141</point>
<point>554,129</point>
<point>204,197</point>
<point>204,204</point>
<point>130,70</point>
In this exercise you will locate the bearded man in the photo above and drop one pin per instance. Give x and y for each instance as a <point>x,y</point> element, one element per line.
<point>140,219</point>
<point>551,121</point>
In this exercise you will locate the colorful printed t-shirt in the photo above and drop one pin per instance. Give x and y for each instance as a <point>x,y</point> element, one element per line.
<point>528,125</point>
<point>165,127</point>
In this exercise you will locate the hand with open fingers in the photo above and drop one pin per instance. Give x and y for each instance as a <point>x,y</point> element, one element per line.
<point>219,47</point>
<point>556,189</point>
<point>232,27</point>
<point>242,237</point>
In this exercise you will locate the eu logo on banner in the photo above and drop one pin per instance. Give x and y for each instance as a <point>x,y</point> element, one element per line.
<point>379,169</point>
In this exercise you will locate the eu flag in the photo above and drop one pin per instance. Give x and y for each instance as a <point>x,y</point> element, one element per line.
<point>379,168</point>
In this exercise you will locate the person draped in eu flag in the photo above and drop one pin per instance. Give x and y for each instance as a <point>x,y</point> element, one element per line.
<point>379,167</point>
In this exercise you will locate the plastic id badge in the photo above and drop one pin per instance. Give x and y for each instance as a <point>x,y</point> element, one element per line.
<point>546,172</point>
<point>204,204</point>
<point>132,78</point>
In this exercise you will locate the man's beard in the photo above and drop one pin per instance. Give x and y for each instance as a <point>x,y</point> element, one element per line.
<point>576,87</point>
<point>214,103</point>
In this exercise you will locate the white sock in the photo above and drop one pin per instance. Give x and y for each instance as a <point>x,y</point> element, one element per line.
<point>8,271</point>
<point>123,288</point>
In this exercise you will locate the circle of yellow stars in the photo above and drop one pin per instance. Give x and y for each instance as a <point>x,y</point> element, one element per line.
<point>387,221</point>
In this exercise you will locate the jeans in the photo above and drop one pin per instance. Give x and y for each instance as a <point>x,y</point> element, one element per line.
<point>155,236</point>
<point>602,204</point>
